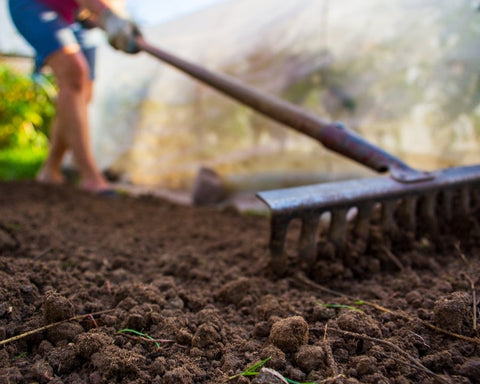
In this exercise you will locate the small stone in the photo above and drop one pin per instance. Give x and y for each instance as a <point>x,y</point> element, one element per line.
<point>208,188</point>
<point>365,365</point>
<point>176,303</point>
<point>42,371</point>
<point>234,291</point>
<point>269,306</point>
<point>310,357</point>
<point>262,329</point>
<point>289,334</point>
<point>89,343</point>
<point>277,357</point>
<point>184,337</point>
<point>359,322</point>
<point>56,307</point>
<point>65,331</point>
<point>206,335</point>
<point>450,312</point>
<point>136,321</point>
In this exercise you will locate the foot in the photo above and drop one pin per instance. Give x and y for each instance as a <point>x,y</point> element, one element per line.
<point>49,176</point>
<point>98,185</point>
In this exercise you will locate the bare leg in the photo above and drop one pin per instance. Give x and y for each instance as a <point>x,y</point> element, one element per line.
<point>70,129</point>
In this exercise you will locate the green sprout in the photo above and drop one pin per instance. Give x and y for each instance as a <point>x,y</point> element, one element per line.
<point>253,370</point>
<point>350,307</point>
<point>296,382</point>
<point>137,333</point>
<point>23,354</point>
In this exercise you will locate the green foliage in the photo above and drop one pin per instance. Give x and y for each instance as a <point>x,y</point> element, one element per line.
<point>340,306</point>
<point>21,162</point>
<point>26,113</point>
<point>253,370</point>
<point>135,332</point>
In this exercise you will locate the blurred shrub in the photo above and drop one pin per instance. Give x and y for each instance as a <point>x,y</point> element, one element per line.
<point>26,113</point>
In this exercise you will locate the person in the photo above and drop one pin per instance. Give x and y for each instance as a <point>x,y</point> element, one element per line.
<point>50,27</point>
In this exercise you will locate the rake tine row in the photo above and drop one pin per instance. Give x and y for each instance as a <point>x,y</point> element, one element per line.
<point>409,208</point>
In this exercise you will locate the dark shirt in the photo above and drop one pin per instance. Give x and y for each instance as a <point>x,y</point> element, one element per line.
<point>65,8</point>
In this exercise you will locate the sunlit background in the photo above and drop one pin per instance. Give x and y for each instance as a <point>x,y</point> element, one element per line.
<point>403,73</point>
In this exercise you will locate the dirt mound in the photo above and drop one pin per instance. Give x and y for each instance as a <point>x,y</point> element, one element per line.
<point>169,294</point>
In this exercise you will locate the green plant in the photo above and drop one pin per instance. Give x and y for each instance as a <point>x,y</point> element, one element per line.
<point>137,333</point>
<point>21,162</point>
<point>20,356</point>
<point>339,306</point>
<point>254,370</point>
<point>26,112</point>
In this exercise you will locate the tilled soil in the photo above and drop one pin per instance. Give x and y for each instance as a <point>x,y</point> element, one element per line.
<point>198,282</point>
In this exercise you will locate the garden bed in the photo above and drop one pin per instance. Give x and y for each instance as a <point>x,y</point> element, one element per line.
<point>197,281</point>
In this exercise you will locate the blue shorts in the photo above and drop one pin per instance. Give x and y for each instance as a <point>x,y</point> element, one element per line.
<point>47,32</point>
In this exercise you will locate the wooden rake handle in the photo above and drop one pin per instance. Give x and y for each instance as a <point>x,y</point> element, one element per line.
<point>333,136</point>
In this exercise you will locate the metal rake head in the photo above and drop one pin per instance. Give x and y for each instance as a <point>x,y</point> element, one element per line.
<point>353,206</point>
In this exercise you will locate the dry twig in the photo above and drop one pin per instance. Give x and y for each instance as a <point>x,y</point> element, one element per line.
<point>53,325</point>
<point>394,259</point>
<point>43,253</point>
<point>300,277</point>
<point>396,348</point>
<point>330,359</point>
<point>161,341</point>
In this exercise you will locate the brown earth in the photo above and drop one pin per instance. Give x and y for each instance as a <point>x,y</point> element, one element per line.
<point>198,281</point>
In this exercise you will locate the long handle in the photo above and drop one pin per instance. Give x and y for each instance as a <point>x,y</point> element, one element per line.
<point>333,136</point>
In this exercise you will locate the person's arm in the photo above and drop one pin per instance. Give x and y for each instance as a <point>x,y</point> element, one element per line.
<point>115,21</point>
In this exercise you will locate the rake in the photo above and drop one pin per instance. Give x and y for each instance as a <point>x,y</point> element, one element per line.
<point>406,197</point>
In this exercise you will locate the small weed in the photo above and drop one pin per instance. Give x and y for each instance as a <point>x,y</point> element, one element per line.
<point>137,333</point>
<point>297,382</point>
<point>337,306</point>
<point>253,370</point>
<point>67,265</point>
<point>21,355</point>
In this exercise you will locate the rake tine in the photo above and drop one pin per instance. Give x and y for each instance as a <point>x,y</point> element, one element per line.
<point>447,203</point>
<point>427,212</point>
<point>465,201</point>
<point>307,247</point>
<point>408,209</point>
<point>279,227</point>
<point>475,199</point>
<point>338,227</point>
<point>388,221</point>
<point>362,225</point>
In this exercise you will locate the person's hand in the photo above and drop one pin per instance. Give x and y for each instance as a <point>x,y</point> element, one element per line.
<point>122,31</point>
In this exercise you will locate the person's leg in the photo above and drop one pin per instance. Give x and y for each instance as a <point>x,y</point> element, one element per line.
<point>56,45</point>
<point>71,127</point>
<point>52,169</point>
